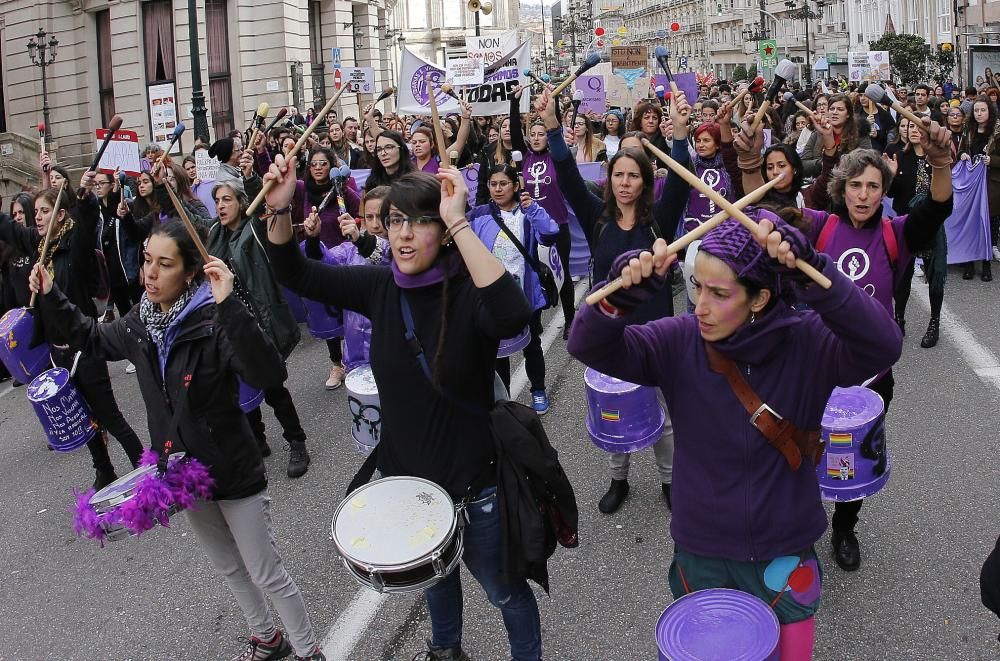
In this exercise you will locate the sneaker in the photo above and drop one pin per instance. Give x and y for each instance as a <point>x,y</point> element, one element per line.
<point>129,368</point>
<point>540,402</point>
<point>298,459</point>
<point>316,655</point>
<point>440,654</point>
<point>336,377</point>
<point>258,650</point>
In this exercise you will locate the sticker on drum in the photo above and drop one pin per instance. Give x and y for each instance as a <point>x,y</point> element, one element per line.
<point>856,463</point>
<point>365,407</point>
<point>398,534</point>
<point>718,624</point>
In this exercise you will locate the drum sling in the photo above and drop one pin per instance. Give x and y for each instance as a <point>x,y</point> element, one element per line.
<point>782,434</point>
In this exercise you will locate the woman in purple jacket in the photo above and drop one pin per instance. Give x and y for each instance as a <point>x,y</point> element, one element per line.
<point>528,221</point>
<point>745,516</point>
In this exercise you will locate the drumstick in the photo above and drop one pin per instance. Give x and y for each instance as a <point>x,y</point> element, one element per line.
<point>41,143</point>
<point>663,59</point>
<point>262,112</point>
<point>268,185</point>
<point>725,204</point>
<point>589,63</point>
<point>187,223</point>
<point>877,94</point>
<point>48,234</point>
<point>784,72</point>
<point>804,108</point>
<point>754,86</point>
<point>439,135</point>
<point>753,196</point>
<point>178,130</point>
<point>113,126</point>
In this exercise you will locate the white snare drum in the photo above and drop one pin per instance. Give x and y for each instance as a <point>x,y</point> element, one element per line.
<point>398,534</point>
<point>108,500</point>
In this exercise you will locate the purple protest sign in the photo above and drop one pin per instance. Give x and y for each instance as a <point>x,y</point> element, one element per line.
<point>595,97</point>
<point>686,82</point>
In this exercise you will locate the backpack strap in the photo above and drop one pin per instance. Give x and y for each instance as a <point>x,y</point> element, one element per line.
<point>891,245</point>
<point>829,227</point>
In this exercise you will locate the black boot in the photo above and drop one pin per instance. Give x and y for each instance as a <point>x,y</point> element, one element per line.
<point>846,551</point>
<point>987,275</point>
<point>104,478</point>
<point>666,495</point>
<point>931,336</point>
<point>298,459</point>
<point>970,271</point>
<point>613,499</point>
<point>901,322</point>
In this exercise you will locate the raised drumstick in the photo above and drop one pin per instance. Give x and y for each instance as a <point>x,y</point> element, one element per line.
<point>258,121</point>
<point>268,185</point>
<point>753,196</point>
<point>113,126</point>
<point>784,72</point>
<point>592,61</point>
<point>712,194</point>
<point>878,94</point>
<point>439,134</point>
<point>187,223</point>
<point>41,142</point>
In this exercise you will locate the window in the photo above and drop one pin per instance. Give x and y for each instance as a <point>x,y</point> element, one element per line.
<point>944,23</point>
<point>158,40</point>
<point>416,11</point>
<point>105,75</point>
<point>219,78</point>
<point>316,52</point>
<point>3,112</point>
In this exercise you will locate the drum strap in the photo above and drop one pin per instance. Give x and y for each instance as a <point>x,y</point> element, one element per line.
<point>786,438</point>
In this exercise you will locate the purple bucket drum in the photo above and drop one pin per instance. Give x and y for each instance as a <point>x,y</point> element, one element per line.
<point>512,345</point>
<point>718,625</point>
<point>250,397</point>
<point>855,463</point>
<point>17,327</point>
<point>621,416</point>
<point>325,321</point>
<point>62,410</point>
<point>296,305</point>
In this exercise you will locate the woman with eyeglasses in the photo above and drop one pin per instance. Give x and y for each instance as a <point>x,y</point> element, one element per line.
<point>626,219</point>
<point>532,226</point>
<point>588,148</point>
<point>121,251</point>
<point>392,160</point>
<point>956,124</point>
<point>462,303</point>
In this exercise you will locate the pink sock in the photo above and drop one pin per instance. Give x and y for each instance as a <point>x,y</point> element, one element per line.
<point>796,642</point>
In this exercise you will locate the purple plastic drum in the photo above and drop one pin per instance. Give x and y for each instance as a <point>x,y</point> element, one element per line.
<point>295,303</point>
<point>856,463</point>
<point>621,416</point>
<point>325,321</point>
<point>512,345</point>
<point>250,397</point>
<point>62,410</point>
<point>718,625</point>
<point>16,329</point>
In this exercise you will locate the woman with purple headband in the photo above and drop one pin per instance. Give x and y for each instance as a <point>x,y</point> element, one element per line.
<point>746,509</point>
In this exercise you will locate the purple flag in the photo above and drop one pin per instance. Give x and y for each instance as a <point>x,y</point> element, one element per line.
<point>968,226</point>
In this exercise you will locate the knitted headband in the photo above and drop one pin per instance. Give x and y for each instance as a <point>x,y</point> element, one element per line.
<point>733,244</point>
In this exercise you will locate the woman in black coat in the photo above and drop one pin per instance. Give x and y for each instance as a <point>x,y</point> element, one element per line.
<point>189,339</point>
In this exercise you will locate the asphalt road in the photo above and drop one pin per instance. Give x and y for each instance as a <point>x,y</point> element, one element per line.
<point>916,595</point>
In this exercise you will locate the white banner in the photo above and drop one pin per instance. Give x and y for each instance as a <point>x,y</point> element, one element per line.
<point>490,98</point>
<point>873,65</point>
<point>491,47</point>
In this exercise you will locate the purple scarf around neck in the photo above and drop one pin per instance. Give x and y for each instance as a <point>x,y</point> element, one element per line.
<point>445,266</point>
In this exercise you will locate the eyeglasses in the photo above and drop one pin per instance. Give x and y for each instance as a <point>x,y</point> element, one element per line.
<point>500,184</point>
<point>386,148</point>
<point>319,164</point>
<point>395,221</point>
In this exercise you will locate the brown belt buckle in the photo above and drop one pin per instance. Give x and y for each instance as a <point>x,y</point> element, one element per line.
<point>760,411</point>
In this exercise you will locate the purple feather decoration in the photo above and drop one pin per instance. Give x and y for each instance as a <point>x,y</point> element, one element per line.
<point>154,499</point>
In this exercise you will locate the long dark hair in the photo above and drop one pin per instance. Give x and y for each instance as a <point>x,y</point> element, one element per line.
<point>27,204</point>
<point>378,176</point>
<point>849,137</point>
<point>175,230</point>
<point>644,206</point>
<point>793,159</point>
<point>143,206</point>
<point>419,194</point>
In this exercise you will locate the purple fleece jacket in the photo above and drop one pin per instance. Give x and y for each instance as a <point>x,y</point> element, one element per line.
<point>734,496</point>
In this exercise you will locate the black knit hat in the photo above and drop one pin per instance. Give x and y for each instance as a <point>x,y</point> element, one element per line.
<point>222,149</point>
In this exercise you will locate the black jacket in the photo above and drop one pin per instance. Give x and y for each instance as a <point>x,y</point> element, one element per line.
<point>213,345</point>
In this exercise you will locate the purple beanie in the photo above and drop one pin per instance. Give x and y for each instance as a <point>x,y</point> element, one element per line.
<point>733,244</point>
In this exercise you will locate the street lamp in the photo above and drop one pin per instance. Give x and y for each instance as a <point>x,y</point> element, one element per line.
<point>578,23</point>
<point>198,109</point>
<point>37,48</point>
<point>805,12</point>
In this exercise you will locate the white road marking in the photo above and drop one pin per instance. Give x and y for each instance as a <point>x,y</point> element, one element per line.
<point>352,624</point>
<point>9,388</point>
<point>982,361</point>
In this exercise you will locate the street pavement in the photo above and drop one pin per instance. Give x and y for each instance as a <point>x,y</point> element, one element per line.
<point>915,597</point>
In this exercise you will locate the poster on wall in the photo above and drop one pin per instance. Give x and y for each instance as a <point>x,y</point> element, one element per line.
<point>163,113</point>
<point>984,65</point>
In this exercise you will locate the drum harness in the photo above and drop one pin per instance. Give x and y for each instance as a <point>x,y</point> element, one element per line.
<point>781,433</point>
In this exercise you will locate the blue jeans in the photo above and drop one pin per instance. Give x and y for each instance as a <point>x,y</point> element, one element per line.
<point>482,556</point>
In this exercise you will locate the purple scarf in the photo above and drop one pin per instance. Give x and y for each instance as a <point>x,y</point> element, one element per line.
<point>699,208</point>
<point>445,266</point>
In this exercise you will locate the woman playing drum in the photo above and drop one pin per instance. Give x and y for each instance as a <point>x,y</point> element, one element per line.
<point>189,339</point>
<point>745,515</point>
<point>461,303</point>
